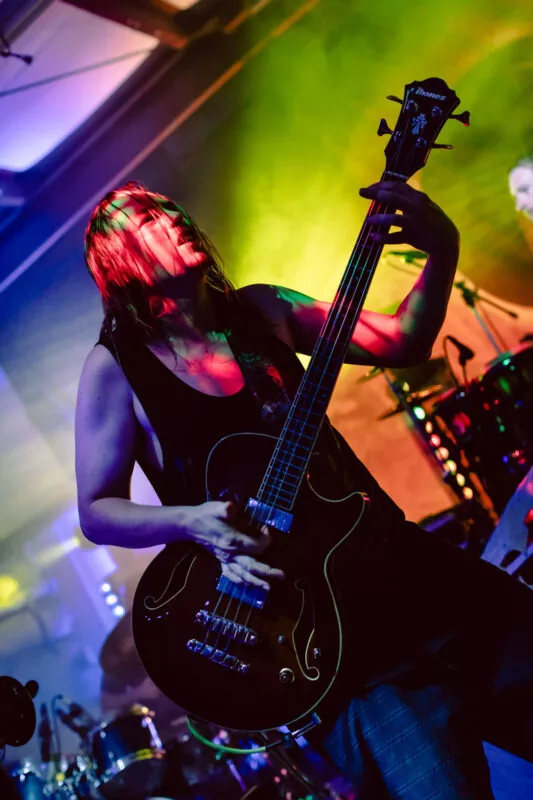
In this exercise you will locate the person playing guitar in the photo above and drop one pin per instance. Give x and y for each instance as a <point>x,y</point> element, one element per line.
<point>185,362</point>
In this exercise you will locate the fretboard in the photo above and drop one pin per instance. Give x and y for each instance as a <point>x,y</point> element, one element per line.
<point>290,460</point>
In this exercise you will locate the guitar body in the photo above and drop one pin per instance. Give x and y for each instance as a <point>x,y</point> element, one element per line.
<point>267,666</point>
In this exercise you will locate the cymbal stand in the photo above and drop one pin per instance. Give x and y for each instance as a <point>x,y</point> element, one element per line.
<point>471,297</point>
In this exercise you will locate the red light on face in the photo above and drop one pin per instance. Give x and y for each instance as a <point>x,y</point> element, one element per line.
<point>434,440</point>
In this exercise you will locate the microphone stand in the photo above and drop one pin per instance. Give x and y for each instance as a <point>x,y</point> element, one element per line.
<point>471,297</point>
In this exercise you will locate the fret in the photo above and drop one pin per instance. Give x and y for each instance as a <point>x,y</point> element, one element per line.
<point>282,456</point>
<point>280,473</point>
<point>273,495</point>
<point>309,413</point>
<point>279,483</point>
<point>277,474</point>
<point>281,505</point>
<point>301,435</point>
<point>283,468</point>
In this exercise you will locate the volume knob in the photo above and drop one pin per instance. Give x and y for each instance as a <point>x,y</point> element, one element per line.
<point>286,675</point>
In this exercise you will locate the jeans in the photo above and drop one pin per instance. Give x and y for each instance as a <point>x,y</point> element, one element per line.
<point>419,736</point>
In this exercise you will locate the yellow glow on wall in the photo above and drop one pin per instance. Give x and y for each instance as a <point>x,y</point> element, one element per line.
<point>10,591</point>
<point>306,140</point>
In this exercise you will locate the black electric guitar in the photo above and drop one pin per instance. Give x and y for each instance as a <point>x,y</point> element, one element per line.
<point>234,654</point>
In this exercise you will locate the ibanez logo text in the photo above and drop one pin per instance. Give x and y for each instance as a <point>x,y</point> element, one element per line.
<point>430,94</point>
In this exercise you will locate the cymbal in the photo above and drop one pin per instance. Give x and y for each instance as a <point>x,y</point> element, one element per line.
<point>118,655</point>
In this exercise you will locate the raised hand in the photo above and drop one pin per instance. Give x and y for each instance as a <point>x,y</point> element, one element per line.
<point>423,224</point>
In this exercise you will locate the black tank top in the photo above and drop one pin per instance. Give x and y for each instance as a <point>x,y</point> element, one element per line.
<point>188,422</point>
<point>397,583</point>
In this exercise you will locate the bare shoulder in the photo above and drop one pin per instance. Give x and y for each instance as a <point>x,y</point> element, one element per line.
<point>267,297</point>
<point>275,304</point>
<point>280,301</point>
<point>296,318</point>
<point>103,390</point>
<point>101,370</point>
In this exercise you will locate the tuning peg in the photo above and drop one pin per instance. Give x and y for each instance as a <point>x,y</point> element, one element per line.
<point>442,146</point>
<point>384,128</point>
<point>464,117</point>
<point>394,98</point>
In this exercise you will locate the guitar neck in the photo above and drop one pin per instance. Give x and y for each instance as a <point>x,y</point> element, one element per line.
<point>291,457</point>
<point>426,107</point>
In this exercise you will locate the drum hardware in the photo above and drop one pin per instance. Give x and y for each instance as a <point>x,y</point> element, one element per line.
<point>477,510</point>
<point>409,256</point>
<point>472,297</point>
<point>481,430</point>
<point>74,717</point>
<point>412,398</point>
<point>117,765</point>
<point>285,751</point>
<point>125,757</point>
<point>431,372</point>
<point>128,755</point>
<point>490,420</point>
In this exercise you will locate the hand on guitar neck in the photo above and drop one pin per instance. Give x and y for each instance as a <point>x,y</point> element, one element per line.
<point>422,223</point>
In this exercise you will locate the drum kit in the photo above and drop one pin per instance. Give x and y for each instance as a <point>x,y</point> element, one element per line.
<point>488,420</point>
<point>125,759</point>
<point>133,757</point>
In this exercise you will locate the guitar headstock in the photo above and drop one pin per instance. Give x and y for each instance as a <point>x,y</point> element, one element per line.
<point>426,107</point>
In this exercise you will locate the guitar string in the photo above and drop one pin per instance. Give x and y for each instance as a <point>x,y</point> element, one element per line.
<point>372,258</point>
<point>346,295</point>
<point>326,333</point>
<point>344,289</point>
<point>347,278</point>
<point>353,266</point>
<point>211,627</point>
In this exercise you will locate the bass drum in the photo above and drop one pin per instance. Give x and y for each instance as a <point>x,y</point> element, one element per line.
<point>128,757</point>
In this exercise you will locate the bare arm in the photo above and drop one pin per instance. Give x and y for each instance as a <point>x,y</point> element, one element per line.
<point>386,340</point>
<point>106,438</point>
<point>106,441</point>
